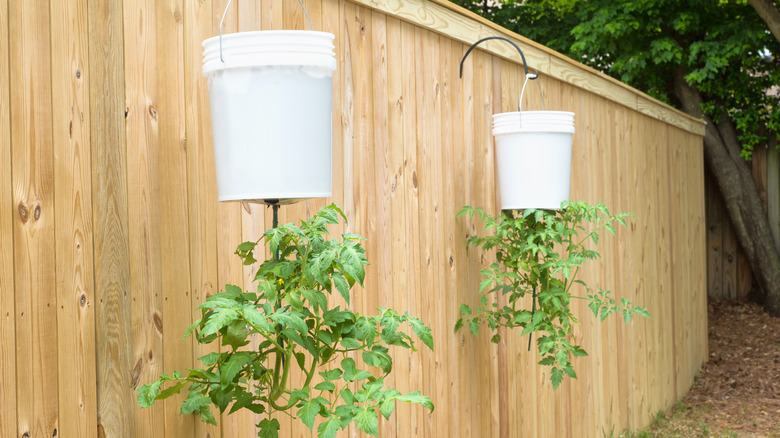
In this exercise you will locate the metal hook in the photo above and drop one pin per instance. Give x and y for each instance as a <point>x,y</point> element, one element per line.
<point>528,75</point>
<point>225,15</point>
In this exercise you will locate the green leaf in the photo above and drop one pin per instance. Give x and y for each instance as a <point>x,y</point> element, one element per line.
<point>331,374</point>
<point>351,373</point>
<point>422,332</point>
<point>194,402</point>
<point>148,393</point>
<point>220,318</point>
<point>415,397</point>
<point>547,361</point>
<point>366,329</point>
<point>233,366</point>
<point>342,286</point>
<point>367,421</point>
<point>290,319</point>
<point>267,290</point>
<point>579,352</point>
<point>308,412</point>
<point>474,327</point>
<point>256,317</point>
<point>335,316</point>
<point>353,261</point>
<point>269,428</point>
<point>350,344</point>
<point>317,299</point>
<point>386,407</point>
<point>236,336</point>
<point>556,377</point>
<point>173,389</point>
<point>325,386</point>
<point>329,428</point>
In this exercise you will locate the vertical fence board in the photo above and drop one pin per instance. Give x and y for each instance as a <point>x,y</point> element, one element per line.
<point>466,227</point>
<point>399,279</point>
<point>73,221</point>
<point>773,191</point>
<point>454,241</point>
<point>143,197</point>
<point>201,181</point>
<point>34,218</point>
<point>382,261</point>
<point>411,187</point>
<point>7,289</point>
<point>110,219</point>
<point>174,232</point>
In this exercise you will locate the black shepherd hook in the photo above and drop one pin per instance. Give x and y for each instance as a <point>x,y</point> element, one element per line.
<point>525,64</point>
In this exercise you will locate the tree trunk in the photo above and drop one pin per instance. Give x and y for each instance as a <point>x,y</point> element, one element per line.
<point>736,184</point>
<point>768,12</point>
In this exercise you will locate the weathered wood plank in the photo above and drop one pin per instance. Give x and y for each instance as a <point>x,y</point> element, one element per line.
<point>77,377</point>
<point>110,219</point>
<point>32,172</point>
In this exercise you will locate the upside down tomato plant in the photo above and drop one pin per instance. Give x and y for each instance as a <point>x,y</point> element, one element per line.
<point>540,253</point>
<point>297,327</point>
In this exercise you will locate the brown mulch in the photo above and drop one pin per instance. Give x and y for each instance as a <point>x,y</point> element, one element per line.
<point>737,392</point>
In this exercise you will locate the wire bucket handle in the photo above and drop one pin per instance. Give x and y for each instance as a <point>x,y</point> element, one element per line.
<point>224,14</point>
<point>528,75</point>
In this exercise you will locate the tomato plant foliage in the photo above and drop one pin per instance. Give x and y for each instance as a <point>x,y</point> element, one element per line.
<point>291,315</point>
<point>539,253</point>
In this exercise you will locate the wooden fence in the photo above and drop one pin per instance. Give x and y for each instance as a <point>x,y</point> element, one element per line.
<point>110,230</point>
<point>729,275</point>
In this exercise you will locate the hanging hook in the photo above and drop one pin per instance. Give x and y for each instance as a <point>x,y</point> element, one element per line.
<point>224,14</point>
<point>528,75</point>
<point>525,64</point>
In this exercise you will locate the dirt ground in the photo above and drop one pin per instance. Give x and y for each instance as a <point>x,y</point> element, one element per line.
<point>737,393</point>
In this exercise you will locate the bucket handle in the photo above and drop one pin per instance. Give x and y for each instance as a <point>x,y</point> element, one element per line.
<point>528,75</point>
<point>224,14</point>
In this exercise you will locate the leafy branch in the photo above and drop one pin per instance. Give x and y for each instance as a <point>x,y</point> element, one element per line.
<point>540,253</point>
<point>290,313</point>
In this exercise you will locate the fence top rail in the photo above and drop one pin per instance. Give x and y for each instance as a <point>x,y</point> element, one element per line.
<point>449,19</point>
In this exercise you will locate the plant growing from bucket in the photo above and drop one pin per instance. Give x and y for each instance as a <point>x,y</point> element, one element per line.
<point>541,249</point>
<point>270,95</point>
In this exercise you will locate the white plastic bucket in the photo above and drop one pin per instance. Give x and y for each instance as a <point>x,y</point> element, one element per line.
<point>533,154</point>
<point>270,97</point>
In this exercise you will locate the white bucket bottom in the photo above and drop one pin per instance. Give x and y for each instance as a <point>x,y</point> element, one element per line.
<point>533,160</point>
<point>272,132</point>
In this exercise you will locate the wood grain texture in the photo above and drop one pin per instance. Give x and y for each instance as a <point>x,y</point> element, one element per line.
<point>143,197</point>
<point>457,23</point>
<point>7,289</point>
<point>110,219</point>
<point>412,144</point>
<point>173,207</point>
<point>77,374</point>
<point>32,160</point>
<point>201,179</point>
